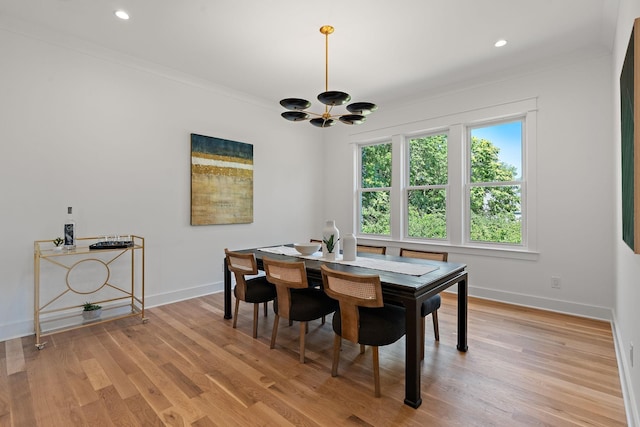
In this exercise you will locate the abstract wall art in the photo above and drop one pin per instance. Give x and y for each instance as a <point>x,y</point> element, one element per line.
<point>221,181</point>
<point>630,135</point>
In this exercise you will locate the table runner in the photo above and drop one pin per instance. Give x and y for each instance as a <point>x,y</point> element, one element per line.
<point>372,263</point>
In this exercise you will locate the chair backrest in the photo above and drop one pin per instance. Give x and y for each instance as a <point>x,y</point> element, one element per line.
<point>285,275</point>
<point>352,291</point>
<point>382,250</point>
<point>435,256</point>
<point>241,264</point>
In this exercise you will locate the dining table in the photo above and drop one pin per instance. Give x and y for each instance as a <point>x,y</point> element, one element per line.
<point>406,281</point>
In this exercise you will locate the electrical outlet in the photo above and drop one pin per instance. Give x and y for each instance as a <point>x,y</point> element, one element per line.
<point>631,353</point>
<point>555,282</point>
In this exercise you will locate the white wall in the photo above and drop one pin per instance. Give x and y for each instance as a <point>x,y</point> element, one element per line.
<point>626,313</point>
<point>111,137</point>
<point>575,186</point>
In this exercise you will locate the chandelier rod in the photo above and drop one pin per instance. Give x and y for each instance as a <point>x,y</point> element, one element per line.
<point>326,30</point>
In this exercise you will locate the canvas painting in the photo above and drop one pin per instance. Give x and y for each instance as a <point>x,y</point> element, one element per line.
<point>221,181</point>
<point>630,133</point>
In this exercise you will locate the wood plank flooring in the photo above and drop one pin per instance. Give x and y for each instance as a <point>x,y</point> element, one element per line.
<point>188,367</point>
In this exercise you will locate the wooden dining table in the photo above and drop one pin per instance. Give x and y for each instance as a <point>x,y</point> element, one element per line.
<point>409,290</point>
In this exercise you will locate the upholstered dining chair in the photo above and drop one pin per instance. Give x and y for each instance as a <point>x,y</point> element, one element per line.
<point>363,317</point>
<point>432,304</point>
<point>254,290</point>
<point>296,300</point>
<point>372,249</point>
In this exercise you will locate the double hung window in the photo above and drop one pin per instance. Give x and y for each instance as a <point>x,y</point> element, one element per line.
<point>495,183</point>
<point>463,184</point>
<point>375,189</point>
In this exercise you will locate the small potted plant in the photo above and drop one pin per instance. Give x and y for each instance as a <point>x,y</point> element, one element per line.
<point>91,311</point>
<point>330,244</point>
<point>58,242</point>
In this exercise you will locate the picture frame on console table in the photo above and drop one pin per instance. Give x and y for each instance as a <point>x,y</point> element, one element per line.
<point>630,140</point>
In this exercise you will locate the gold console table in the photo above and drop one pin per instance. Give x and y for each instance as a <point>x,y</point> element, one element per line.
<point>64,280</point>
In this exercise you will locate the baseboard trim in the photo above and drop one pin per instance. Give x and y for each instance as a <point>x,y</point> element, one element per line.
<point>549,304</point>
<point>25,328</point>
<point>182,294</point>
<point>624,370</point>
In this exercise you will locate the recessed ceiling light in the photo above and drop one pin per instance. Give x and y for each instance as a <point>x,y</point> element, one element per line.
<point>121,14</point>
<point>500,43</point>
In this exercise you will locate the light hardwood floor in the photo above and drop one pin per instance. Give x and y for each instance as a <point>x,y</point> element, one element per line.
<point>188,367</point>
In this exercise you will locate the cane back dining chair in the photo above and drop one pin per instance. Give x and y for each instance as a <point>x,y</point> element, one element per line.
<point>254,290</point>
<point>372,249</point>
<point>432,304</point>
<point>362,317</point>
<point>296,300</point>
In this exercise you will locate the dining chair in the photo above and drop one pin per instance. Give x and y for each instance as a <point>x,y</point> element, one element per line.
<point>296,300</point>
<point>254,290</point>
<point>362,317</point>
<point>432,304</point>
<point>382,250</point>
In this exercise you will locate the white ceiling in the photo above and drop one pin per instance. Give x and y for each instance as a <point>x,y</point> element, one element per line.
<point>380,50</point>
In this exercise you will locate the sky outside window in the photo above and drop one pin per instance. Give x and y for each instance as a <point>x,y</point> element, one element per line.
<point>508,138</point>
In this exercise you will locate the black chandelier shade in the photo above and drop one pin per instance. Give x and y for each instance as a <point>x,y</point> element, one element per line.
<point>295,104</point>
<point>362,108</point>
<point>330,98</point>
<point>334,97</point>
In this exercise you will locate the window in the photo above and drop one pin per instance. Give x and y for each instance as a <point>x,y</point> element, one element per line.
<point>467,183</point>
<point>375,189</point>
<point>427,187</point>
<point>495,183</point>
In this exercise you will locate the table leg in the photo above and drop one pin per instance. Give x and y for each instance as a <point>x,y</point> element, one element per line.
<point>227,290</point>
<point>462,314</point>
<point>413,323</point>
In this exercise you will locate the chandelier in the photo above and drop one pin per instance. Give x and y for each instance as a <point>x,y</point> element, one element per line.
<point>330,98</point>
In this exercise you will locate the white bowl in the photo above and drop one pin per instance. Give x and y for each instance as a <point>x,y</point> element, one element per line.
<point>307,248</point>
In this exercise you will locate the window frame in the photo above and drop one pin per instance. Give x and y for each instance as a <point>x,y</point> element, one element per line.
<point>468,184</point>
<point>406,187</point>
<point>360,190</point>
<point>457,126</point>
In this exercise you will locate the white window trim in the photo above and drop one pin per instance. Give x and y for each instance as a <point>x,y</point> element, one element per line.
<point>456,125</point>
<point>404,143</point>
<point>467,185</point>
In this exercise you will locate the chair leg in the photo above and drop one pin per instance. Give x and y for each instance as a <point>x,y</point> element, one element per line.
<point>303,330</point>
<point>255,320</point>
<point>265,308</point>
<point>376,370</point>
<point>337,343</point>
<point>235,314</point>
<point>275,330</point>
<point>362,348</point>
<point>436,330</point>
